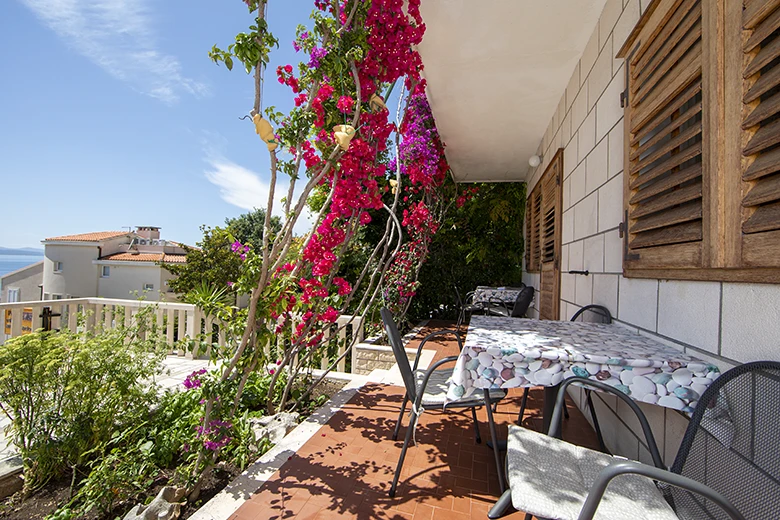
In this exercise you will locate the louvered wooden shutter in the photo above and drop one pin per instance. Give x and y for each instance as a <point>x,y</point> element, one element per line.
<point>550,239</point>
<point>665,173</point>
<point>761,133</point>
<point>533,219</point>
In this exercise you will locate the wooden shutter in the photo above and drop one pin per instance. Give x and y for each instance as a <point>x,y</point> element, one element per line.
<point>665,176</point>
<point>550,239</point>
<point>533,220</point>
<point>761,134</point>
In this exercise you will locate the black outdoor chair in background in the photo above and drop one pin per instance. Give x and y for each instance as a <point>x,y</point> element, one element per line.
<point>466,306</point>
<point>428,389</point>
<point>730,444</point>
<point>592,314</point>
<point>518,310</point>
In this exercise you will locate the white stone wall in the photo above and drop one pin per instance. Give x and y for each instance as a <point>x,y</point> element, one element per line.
<point>126,281</point>
<point>79,276</point>
<point>725,323</point>
<point>26,280</point>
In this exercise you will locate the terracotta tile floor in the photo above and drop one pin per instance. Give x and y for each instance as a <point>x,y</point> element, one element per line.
<point>345,470</point>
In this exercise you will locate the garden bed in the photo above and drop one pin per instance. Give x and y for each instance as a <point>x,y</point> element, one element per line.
<point>57,493</point>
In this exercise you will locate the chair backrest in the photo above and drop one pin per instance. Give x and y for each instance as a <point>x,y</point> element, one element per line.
<point>523,301</point>
<point>458,299</point>
<point>593,314</point>
<point>394,336</point>
<point>731,444</point>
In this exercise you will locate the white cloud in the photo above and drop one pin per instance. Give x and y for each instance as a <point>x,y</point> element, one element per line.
<point>245,189</point>
<point>116,35</point>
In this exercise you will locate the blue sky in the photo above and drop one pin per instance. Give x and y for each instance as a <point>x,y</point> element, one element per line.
<point>112,115</point>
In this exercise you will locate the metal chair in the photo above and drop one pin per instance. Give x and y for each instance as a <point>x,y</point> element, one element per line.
<point>592,314</point>
<point>467,306</point>
<point>520,307</point>
<point>427,390</point>
<point>730,444</point>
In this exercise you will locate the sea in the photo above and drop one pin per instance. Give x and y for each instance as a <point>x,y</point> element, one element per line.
<point>10,263</point>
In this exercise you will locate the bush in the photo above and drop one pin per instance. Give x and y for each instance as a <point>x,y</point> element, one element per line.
<point>67,394</point>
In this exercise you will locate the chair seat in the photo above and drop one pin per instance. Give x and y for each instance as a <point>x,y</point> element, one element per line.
<point>550,478</point>
<point>436,391</point>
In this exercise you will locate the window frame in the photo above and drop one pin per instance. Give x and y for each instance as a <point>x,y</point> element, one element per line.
<point>17,293</point>
<point>148,287</point>
<point>105,271</point>
<point>722,191</point>
<point>57,267</point>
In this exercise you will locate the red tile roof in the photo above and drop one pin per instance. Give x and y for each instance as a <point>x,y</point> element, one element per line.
<point>88,237</point>
<point>146,257</point>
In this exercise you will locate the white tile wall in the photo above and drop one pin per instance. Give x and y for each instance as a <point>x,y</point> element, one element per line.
<point>611,204</point>
<point>593,254</point>
<point>586,136</point>
<point>596,167</point>
<point>751,322</point>
<point>690,312</point>
<point>613,252</point>
<point>638,302</point>
<point>615,149</point>
<point>584,289</point>
<point>608,111</point>
<point>605,291</point>
<point>576,255</point>
<point>586,214</point>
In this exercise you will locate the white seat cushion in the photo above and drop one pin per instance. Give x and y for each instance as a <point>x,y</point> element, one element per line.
<point>436,391</point>
<point>550,478</point>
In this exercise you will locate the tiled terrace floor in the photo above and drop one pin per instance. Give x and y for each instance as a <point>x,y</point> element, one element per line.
<point>345,470</point>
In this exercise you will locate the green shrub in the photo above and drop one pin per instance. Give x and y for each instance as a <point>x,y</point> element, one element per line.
<point>67,394</point>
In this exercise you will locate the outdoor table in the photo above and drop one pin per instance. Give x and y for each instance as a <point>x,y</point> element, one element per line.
<point>515,352</point>
<point>484,294</point>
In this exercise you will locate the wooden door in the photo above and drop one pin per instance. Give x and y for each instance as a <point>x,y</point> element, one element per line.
<point>549,297</point>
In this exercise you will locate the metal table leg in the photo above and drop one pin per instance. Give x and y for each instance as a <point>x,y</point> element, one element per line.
<point>494,440</point>
<point>550,395</point>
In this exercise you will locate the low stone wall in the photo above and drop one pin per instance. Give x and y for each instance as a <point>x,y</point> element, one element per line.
<point>368,357</point>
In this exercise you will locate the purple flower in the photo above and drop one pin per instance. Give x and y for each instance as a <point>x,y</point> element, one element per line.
<point>193,380</point>
<point>231,284</point>
<point>317,54</point>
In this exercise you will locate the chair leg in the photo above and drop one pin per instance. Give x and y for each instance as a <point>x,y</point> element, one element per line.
<point>476,426</point>
<point>400,417</point>
<point>407,440</point>
<point>595,421</point>
<point>494,439</point>
<point>502,504</point>
<point>522,407</point>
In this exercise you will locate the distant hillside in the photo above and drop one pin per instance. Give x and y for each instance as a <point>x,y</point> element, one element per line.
<point>27,251</point>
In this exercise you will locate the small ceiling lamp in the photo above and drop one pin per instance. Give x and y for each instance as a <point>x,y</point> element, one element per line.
<point>534,161</point>
<point>343,135</point>
<point>265,131</point>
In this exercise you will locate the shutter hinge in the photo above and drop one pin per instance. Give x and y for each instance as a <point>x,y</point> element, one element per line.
<point>623,99</point>
<point>558,179</point>
<point>623,233</point>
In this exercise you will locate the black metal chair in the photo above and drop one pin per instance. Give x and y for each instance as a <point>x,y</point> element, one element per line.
<point>427,390</point>
<point>593,314</point>
<point>520,307</point>
<point>466,306</point>
<point>727,466</point>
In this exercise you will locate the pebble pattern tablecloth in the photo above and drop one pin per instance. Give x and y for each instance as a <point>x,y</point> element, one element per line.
<point>513,352</point>
<point>484,294</point>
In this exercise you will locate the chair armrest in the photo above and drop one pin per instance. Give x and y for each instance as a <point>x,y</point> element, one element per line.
<point>628,467</point>
<point>555,422</point>
<point>433,335</point>
<point>428,373</point>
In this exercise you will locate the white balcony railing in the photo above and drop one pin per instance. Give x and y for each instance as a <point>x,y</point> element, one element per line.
<point>176,321</point>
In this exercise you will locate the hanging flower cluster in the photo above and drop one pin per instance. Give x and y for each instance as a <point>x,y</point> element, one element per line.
<point>422,163</point>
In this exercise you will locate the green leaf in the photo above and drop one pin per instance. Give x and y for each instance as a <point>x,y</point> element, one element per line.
<point>229,62</point>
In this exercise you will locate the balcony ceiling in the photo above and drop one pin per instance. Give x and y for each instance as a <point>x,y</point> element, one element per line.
<point>496,70</point>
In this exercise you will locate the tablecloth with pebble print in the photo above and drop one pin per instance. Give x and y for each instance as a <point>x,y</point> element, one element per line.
<point>483,294</point>
<point>513,352</point>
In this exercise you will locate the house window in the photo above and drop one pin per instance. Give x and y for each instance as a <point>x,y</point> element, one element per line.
<point>14,295</point>
<point>57,267</point>
<point>56,296</point>
<point>148,287</point>
<point>105,271</point>
<point>702,157</point>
